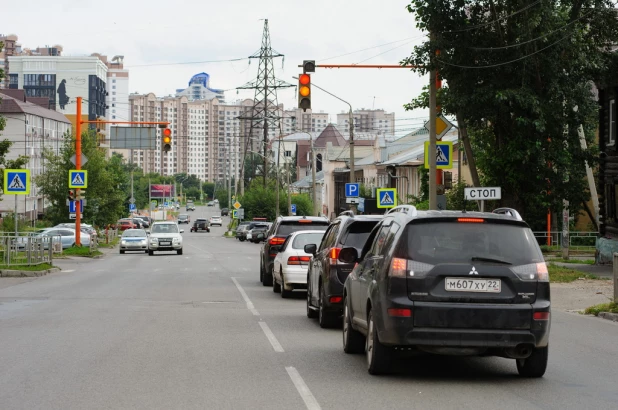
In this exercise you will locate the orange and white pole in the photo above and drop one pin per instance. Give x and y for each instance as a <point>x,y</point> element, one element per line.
<point>78,166</point>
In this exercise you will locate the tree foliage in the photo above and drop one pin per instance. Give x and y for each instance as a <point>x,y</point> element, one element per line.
<point>519,75</point>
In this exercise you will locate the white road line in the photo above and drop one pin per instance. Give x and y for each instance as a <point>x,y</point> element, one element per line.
<point>245,297</point>
<point>69,271</point>
<point>271,338</point>
<point>303,390</point>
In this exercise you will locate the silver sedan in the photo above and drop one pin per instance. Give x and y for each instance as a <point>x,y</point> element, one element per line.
<point>134,240</point>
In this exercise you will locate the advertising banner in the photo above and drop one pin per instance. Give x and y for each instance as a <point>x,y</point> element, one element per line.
<point>161,191</point>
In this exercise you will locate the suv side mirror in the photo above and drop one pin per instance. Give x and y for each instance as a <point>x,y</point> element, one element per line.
<point>311,248</point>
<point>348,255</point>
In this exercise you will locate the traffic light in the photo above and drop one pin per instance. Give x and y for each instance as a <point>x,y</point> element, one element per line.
<point>308,66</point>
<point>166,138</point>
<point>82,194</point>
<point>304,91</point>
<point>71,196</point>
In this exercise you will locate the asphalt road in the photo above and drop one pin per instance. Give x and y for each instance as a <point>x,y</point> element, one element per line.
<point>198,331</point>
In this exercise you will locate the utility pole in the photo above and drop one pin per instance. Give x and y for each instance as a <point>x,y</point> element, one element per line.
<point>287,169</point>
<point>78,166</point>
<point>433,200</point>
<point>313,188</point>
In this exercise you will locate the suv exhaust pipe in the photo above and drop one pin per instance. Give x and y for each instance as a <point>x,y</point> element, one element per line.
<point>521,351</point>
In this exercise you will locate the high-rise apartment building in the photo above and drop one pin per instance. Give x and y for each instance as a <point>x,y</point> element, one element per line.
<point>295,120</point>
<point>13,48</point>
<point>372,121</point>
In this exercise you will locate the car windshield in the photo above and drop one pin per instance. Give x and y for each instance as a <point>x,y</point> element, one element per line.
<point>134,233</point>
<point>164,228</point>
<point>290,227</point>
<point>303,239</point>
<point>182,216</point>
<point>358,233</point>
<point>457,242</point>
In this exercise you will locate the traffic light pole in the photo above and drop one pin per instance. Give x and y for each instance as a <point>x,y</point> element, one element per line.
<point>78,157</point>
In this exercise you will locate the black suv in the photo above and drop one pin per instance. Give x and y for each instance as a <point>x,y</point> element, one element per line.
<point>448,282</point>
<point>279,231</point>
<point>326,274</point>
<point>200,224</point>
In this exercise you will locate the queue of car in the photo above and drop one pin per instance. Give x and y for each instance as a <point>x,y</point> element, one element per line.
<point>451,283</point>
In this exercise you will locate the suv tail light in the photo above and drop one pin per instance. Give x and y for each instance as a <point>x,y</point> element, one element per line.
<point>276,240</point>
<point>532,271</point>
<point>400,268</point>
<point>299,260</point>
<point>333,255</point>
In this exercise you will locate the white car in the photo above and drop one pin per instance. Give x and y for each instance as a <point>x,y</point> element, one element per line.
<point>216,220</point>
<point>165,236</point>
<point>291,262</point>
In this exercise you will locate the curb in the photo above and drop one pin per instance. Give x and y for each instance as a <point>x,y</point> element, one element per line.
<point>7,273</point>
<point>609,316</point>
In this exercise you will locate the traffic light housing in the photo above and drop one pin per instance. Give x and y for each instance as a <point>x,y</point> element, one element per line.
<point>304,91</point>
<point>82,194</point>
<point>71,195</point>
<point>166,138</point>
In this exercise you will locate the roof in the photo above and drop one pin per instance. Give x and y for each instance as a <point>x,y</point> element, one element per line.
<point>460,214</point>
<point>296,218</point>
<point>306,181</point>
<point>11,105</point>
<point>416,155</point>
<point>330,134</point>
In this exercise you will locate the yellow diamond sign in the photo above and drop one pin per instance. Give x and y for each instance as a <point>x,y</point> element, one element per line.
<point>442,126</point>
<point>237,205</point>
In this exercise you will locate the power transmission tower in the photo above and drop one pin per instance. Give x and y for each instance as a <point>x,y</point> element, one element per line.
<point>265,109</point>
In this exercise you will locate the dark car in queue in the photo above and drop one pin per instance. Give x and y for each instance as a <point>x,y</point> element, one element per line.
<point>326,274</point>
<point>276,235</point>
<point>184,219</point>
<point>200,224</point>
<point>448,283</point>
<point>134,240</point>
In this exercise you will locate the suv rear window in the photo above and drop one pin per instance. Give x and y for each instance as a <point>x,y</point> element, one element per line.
<point>357,233</point>
<point>457,242</point>
<point>287,227</point>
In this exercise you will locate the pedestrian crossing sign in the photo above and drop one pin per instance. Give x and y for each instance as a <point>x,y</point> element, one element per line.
<point>444,154</point>
<point>78,178</point>
<point>17,181</point>
<point>387,197</point>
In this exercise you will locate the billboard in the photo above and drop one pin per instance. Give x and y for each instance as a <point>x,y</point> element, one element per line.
<point>162,191</point>
<point>133,137</point>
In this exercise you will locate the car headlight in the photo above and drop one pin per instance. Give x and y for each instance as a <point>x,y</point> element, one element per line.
<point>154,240</point>
<point>123,242</point>
<point>175,240</point>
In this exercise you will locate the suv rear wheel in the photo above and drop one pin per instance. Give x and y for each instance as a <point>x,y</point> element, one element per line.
<point>378,355</point>
<point>325,319</point>
<point>267,278</point>
<point>535,365</point>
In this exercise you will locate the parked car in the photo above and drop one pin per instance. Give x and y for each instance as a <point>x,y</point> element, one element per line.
<point>89,229</point>
<point>448,282</point>
<point>165,236</point>
<point>124,224</point>
<point>253,236</point>
<point>291,262</point>
<point>216,220</point>
<point>279,231</point>
<point>184,219</point>
<point>225,212</point>
<point>146,220</point>
<point>326,274</point>
<point>139,223</point>
<point>67,236</point>
<point>241,230</point>
<point>211,203</point>
<point>200,224</point>
<point>134,240</point>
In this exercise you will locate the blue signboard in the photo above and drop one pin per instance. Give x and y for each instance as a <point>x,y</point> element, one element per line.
<point>132,207</point>
<point>72,206</point>
<point>293,208</point>
<point>352,190</point>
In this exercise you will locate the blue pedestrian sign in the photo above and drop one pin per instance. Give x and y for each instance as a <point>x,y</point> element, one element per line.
<point>132,208</point>
<point>17,181</point>
<point>293,209</point>
<point>72,206</point>
<point>166,204</point>
<point>352,190</point>
<point>387,197</point>
<point>444,154</point>
<point>78,178</point>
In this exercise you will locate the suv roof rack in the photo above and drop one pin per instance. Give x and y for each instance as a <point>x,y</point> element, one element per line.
<point>406,209</point>
<point>508,211</point>
<point>347,213</point>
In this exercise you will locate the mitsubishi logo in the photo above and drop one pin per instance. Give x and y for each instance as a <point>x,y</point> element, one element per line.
<point>473,271</point>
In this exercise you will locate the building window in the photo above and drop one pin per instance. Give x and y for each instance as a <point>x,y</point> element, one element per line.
<point>612,122</point>
<point>288,153</point>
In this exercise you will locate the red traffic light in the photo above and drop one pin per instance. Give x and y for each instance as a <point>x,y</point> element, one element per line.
<point>304,79</point>
<point>167,132</point>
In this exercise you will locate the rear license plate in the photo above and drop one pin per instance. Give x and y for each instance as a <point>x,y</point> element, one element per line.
<point>472,285</point>
<point>165,243</point>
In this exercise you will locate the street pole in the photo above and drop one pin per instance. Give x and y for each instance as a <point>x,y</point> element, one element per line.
<point>313,188</point>
<point>78,166</point>
<point>433,205</point>
<point>287,169</point>
<point>16,226</point>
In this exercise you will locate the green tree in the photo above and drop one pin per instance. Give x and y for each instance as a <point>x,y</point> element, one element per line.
<point>209,189</point>
<point>519,79</point>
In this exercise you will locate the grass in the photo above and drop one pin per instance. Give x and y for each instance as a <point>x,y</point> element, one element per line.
<point>31,268</point>
<point>576,261</point>
<point>113,243</point>
<point>559,274</point>
<point>80,251</point>
<point>611,307</point>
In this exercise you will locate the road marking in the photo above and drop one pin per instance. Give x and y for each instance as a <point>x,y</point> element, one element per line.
<point>69,271</point>
<point>303,390</point>
<point>245,297</point>
<point>271,338</point>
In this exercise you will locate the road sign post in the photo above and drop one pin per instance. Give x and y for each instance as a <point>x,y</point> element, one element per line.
<point>483,194</point>
<point>16,182</point>
<point>444,154</point>
<point>352,190</point>
<point>293,209</point>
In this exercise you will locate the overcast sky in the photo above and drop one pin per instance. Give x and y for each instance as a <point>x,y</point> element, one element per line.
<point>162,34</point>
